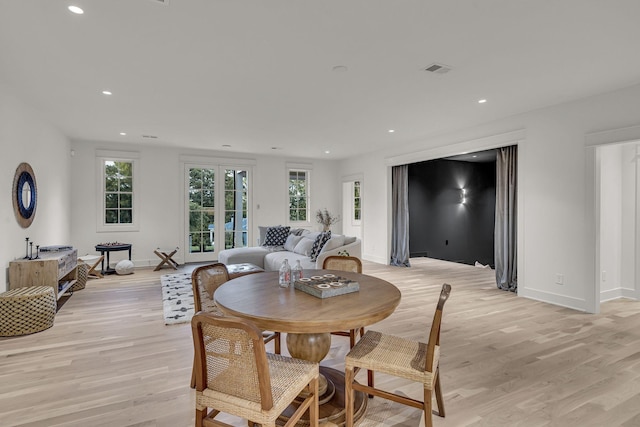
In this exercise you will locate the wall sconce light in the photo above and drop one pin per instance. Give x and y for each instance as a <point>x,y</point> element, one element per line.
<point>463,196</point>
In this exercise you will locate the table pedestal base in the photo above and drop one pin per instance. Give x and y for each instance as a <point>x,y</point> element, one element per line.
<point>332,410</point>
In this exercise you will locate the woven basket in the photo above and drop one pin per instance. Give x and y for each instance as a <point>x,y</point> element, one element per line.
<point>83,275</point>
<point>27,310</point>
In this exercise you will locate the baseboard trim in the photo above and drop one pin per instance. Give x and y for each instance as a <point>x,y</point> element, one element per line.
<point>613,294</point>
<point>376,259</point>
<point>553,298</point>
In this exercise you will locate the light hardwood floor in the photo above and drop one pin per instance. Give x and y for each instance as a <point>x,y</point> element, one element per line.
<point>109,360</point>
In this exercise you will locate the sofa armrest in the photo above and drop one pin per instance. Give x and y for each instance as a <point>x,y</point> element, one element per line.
<point>354,249</point>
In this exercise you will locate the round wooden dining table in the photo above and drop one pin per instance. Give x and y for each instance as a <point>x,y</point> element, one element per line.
<point>308,321</point>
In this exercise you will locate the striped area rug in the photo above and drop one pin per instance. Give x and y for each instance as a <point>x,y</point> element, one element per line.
<point>177,298</point>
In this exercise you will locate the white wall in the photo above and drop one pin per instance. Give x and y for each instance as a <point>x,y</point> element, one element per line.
<point>27,137</point>
<point>161,216</point>
<point>610,221</point>
<point>630,190</point>
<point>556,213</point>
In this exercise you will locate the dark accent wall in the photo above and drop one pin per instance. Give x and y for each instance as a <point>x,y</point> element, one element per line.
<point>442,227</point>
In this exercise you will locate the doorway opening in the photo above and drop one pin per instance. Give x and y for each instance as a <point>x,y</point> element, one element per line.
<point>618,223</point>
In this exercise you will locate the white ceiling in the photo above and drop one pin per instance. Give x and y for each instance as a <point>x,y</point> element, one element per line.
<point>257,74</point>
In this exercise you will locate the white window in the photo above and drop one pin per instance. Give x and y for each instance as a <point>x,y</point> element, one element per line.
<point>357,203</point>
<point>298,195</point>
<point>117,191</point>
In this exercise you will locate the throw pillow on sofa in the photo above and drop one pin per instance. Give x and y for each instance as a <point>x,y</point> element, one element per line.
<point>291,242</point>
<point>320,241</point>
<point>304,246</point>
<point>276,236</point>
<point>262,234</point>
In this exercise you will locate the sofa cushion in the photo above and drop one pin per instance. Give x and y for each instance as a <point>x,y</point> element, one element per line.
<point>276,236</point>
<point>349,240</point>
<point>334,242</point>
<point>252,255</point>
<point>319,243</point>
<point>304,246</point>
<point>291,242</point>
<point>273,260</point>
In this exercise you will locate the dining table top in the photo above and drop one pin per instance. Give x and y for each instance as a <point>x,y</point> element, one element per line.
<point>259,298</point>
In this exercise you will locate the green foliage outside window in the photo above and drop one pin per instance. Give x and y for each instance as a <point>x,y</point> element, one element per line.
<point>298,195</point>
<point>357,210</point>
<point>118,192</point>
<point>236,195</point>
<point>202,209</point>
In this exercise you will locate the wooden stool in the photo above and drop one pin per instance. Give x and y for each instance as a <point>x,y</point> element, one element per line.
<point>166,258</point>
<point>27,310</point>
<point>92,262</point>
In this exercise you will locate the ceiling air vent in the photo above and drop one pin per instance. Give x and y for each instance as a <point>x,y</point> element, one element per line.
<point>150,136</point>
<point>438,68</point>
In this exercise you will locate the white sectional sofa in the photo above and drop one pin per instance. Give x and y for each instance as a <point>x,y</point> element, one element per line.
<point>295,248</point>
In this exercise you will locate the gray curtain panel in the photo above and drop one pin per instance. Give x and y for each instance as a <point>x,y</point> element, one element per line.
<point>400,216</point>
<point>506,219</point>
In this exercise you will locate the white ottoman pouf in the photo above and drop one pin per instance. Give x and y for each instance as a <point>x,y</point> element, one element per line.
<point>124,267</point>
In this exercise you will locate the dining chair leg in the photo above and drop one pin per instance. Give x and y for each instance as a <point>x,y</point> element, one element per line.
<point>439,399</point>
<point>428,420</point>
<point>277,343</point>
<point>314,412</point>
<point>193,373</point>
<point>348,397</point>
<point>200,416</point>
<point>352,337</point>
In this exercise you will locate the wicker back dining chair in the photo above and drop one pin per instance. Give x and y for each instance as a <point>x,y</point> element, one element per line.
<point>345,263</point>
<point>205,280</point>
<point>353,264</point>
<point>235,375</point>
<point>400,357</point>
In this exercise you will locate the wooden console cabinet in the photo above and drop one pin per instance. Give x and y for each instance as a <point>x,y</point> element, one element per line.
<point>56,269</point>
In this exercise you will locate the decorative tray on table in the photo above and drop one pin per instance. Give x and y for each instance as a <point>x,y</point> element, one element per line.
<point>327,285</point>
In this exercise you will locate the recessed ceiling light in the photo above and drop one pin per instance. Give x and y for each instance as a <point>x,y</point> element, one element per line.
<point>106,92</point>
<point>123,133</point>
<point>391,130</point>
<point>474,156</point>
<point>327,152</point>
<point>482,101</point>
<point>76,10</point>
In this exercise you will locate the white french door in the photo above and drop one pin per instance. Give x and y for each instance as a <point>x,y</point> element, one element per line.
<point>216,210</point>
